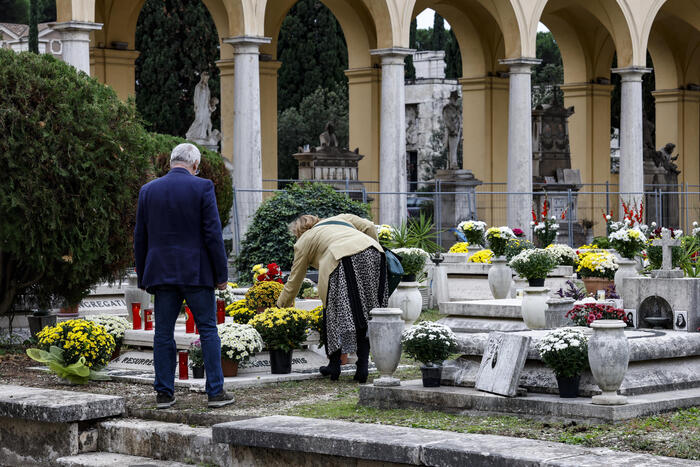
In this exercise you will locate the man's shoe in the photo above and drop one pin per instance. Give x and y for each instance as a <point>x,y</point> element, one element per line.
<point>164,400</point>
<point>221,399</point>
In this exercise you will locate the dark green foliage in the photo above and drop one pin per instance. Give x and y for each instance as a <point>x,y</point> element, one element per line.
<point>177,40</point>
<point>313,53</point>
<point>303,125</point>
<point>34,26</point>
<point>550,72</point>
<point>453,57</point>
<point>73,165</point>
<point>410,70</point>
<point>17,11</point>
<point>268,239</point>
<point>439,38</point>
<point>158,148</point>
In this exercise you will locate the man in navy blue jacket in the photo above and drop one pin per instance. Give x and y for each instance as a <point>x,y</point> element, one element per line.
<point>180,255</point>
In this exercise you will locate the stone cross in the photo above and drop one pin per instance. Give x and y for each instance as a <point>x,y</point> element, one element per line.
<point>666,243</point>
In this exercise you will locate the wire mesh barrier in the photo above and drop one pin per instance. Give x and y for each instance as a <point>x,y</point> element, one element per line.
<point>676,206</point>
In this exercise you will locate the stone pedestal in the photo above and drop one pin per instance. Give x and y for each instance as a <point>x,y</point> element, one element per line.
<point>458,201</point>
<point>664,297</point>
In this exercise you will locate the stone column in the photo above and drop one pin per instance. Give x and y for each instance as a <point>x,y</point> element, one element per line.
<point>392,139</point>
<point>631,134</point>
<point>519,143</point>
<point>75,36</point>
<point>247,144</point>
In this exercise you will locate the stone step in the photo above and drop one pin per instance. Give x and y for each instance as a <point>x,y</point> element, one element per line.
<point>482,325</point>
<point>173,442</point>
<point>109,459</point>
<point>507,308</point>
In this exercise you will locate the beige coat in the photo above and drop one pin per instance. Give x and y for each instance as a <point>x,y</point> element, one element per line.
<point>322,247</point>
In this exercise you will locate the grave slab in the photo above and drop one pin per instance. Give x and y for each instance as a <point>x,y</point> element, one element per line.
<point>502,363</point>
<point>469,401</point>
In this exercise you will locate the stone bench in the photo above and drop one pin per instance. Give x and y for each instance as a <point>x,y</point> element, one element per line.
<point>38,426</point>
<point>280,440</point>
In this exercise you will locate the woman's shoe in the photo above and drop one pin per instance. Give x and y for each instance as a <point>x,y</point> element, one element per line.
<point>324,370</point>
<point>361,375</point>
<point>334,366</point>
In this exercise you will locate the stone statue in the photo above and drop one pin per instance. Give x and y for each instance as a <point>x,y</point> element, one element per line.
<point>204,105</point>
<point>328,137</point>
<point>666,160</point>
<point>452,116</point>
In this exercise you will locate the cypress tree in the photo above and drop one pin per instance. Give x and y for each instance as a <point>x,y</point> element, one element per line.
<point>439,39</point>
<point>34,26</point>
<point>177,40</point>
<point>409,69</point>
<point>453,57</point>
<point>313,53</point>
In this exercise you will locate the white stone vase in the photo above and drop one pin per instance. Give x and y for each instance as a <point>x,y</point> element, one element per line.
<point>500,278</point>
<point>408,299</point>
<point>608,356</point>
<point>385,330</point>
<point>534,307</point>
<point>626,268</point>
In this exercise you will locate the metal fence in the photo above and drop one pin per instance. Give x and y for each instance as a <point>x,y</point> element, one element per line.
<point>676,206</point>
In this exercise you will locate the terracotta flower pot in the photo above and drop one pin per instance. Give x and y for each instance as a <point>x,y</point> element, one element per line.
<point>229,367</point>
<point>594,284</point>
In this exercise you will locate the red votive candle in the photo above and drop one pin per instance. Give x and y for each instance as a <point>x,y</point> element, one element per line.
<point>136,315</point>
<point>220,311</point>
<point>148,319</point>
<point>189,321</point>
<point>182,364</point>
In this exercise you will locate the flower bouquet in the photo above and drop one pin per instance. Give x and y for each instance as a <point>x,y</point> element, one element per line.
<point>240,312</point>
<point>263,295</point>
<point>429,343</point>
<point>282,330</point>
<point>545,228</point>
<point>534,265</point>
<point>497,238</point>
<point>474,231</point>
<point>271,273</point>
<point>196,357</point>
<point>413,261</point>
<point>597,269</point>
<point>564,255</point>
<point>516,245</point>
<point>239,342</point>
<point>481,256</point>
<point>459,247</point>
<point>586,313</point>
<point>565,351</point>
<point>385,234</point>
<point>629,242</point>
<point>115,327</point>
<point>227,294</point>
<point>75,350</point>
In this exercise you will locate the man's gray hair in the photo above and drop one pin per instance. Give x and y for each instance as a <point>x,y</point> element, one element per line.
<point>185,154</point>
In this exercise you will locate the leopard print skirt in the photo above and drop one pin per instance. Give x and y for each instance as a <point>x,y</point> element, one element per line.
<point>355,287</point>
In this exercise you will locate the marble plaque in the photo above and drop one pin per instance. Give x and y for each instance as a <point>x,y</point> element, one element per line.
<point>100,305</point>
<point>133,361</point>
<point>502,363</point>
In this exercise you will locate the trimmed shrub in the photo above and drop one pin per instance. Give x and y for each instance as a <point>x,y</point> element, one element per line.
<point>268,239</point>
<point>73,164</point>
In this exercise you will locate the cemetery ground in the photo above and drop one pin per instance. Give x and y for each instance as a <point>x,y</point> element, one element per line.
<point>674,434</point>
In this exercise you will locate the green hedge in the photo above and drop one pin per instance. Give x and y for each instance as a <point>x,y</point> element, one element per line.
<point>268,239</point>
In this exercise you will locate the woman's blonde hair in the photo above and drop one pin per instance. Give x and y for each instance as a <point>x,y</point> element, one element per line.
<point>302,223</point>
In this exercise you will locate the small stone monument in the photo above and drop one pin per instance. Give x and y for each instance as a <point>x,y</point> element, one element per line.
<point>329,162</point>
<point>502,363</point>
<point>200,132</point>
<point>666,242</point>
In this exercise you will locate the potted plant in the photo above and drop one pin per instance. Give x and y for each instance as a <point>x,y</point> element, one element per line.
<point>263,295</point>
<point>239,342</point>
<point>407,297</point>
<point>563,255</point>
<point>196,359</point>
<point>430,343</point>
<point>75,350</point>
<point>597,268</point>
<point>474,231</point>
<point>481,257</point>
<point>629,243</point>
<point>534,265</point>
<point>545,229</point>
<point>565,351</point>
<point>282,330</point>
<point>240,312</point>
<point>500,275</point>
<point>115,327</point>
<point>585,313</point>
<point>385,234</point>
<point>460,247</point>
